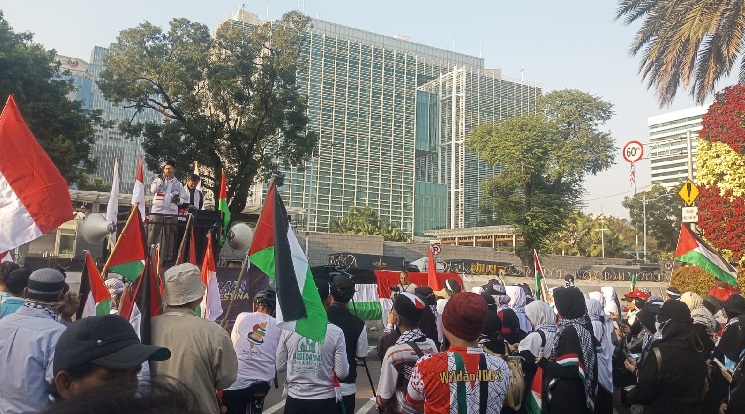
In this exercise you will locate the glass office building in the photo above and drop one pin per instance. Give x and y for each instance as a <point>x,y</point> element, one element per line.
<point>668,144</point>
<point>378,104</point>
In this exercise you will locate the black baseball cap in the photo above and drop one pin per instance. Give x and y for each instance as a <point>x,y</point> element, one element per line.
<point>108,341</point>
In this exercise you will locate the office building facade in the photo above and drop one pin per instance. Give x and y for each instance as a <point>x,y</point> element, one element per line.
<point>668,145</point>
<point>380,128</point>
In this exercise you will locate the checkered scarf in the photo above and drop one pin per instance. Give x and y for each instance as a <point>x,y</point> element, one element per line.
<point>588,343</point>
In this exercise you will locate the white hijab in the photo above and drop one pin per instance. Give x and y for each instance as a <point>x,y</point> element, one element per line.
<point>610,300</point>
<point>542,317</point>
<point>517,303</point>
<point>603,335</point>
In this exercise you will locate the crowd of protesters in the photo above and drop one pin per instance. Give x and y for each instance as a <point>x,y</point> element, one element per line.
<point>496,349</point>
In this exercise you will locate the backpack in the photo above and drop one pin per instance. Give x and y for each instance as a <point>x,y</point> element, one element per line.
<point>516,390</point>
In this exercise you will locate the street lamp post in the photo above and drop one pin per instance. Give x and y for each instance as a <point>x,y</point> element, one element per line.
<point>602,231</point>
<point>644,219</point>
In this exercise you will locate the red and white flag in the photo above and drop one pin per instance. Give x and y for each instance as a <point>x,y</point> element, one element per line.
<point>34,199</point>
<point>632,175</point>
<point>138,192</point>
<point>211,307</point>
<point>5,257</point>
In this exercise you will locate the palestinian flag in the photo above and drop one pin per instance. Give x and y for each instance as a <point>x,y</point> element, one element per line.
<point>211,306</point>
<point>97,298</point>
<point>129,252</point>
<point>534,400</point>
<point>538,275</point>
<point>693,249</point>
<point>223,205</point>
<point>276,252</point>
<point>366,301</point>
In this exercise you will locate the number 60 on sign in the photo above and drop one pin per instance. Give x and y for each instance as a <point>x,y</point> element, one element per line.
<point>633,151</point>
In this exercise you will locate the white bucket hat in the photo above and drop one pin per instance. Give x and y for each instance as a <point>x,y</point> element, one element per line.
<point>183,284</point>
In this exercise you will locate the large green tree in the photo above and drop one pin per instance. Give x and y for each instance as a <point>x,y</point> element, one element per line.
<point>663,218</point>
<point>63,128</point>
<point>688,43</point>
<point>367,221</point>
<point>544,158</point>
<point>229,101</point>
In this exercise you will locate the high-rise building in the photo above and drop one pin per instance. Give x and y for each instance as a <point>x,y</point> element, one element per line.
<point>382,109</point>
<point>110,142</point>
<point>668,144</point>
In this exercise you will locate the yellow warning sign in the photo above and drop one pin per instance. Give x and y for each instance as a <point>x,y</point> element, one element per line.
<point>688,192</point>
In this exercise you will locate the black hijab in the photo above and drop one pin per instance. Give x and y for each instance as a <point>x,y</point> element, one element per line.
<point>511,326</point>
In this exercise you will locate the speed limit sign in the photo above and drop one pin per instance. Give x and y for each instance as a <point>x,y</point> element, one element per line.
<point>633,151</point>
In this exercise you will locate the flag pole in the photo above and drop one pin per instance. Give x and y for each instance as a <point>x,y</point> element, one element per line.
<point>135,209</point>
<point>183,239</point>
<point>224,322</point>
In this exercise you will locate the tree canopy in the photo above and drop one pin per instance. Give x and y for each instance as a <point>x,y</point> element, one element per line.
<point>229,101</point>
<point>663,218</point>
<point>366,221</point>
<point>688,43</point>
<point>63,128</point>
<point>581,236</point>
<point>544,158</point>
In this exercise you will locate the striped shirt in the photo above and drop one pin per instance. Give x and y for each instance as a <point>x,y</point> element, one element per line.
<point>435,382</point>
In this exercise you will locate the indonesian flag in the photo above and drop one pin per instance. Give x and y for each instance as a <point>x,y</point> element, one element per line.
<point>129,252</point>
<point>211,307</point>
<point>5,257</point>
<point>138,192</point>
<point>34,199</point>
<point>276,252</point>
<point>693,249</point>
<point>538,275</point>
<point>97,297</point>
<point>112,209</point>
<point>196,171</point>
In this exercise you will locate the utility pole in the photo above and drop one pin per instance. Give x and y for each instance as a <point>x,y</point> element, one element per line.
<point>602,231</point>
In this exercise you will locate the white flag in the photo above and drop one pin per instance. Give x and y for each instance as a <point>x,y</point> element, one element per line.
<point>112,209</point>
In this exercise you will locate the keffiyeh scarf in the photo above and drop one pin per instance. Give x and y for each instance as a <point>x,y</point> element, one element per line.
<point>409,336</point>
<point>582,326</point>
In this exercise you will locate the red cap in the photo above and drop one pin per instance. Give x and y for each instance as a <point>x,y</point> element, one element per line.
<point>636,294</point>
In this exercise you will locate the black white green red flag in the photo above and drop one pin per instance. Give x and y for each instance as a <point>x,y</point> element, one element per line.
<point>693,249</point>
<point>96,297</point>
<point>276,251</point>
<point>538,275</point>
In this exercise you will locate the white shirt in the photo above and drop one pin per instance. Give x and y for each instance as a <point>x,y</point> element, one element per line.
<point>349,389</point>
<point>163,192</point>
<point>310,366</point>
<point>255,338</point>
<point>405,356</point>
<point>27,343</point>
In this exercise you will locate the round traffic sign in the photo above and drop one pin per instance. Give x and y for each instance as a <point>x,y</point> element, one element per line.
<point>632,151</point>
<point>668,266</point>
<point>436,249</point>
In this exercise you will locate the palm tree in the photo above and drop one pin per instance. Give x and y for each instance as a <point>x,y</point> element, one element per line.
<point>689,43</point>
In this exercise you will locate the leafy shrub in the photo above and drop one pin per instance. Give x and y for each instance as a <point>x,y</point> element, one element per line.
<point>695,279</point>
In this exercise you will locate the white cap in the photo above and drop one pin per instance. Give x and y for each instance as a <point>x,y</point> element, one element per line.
<point>183,284</point>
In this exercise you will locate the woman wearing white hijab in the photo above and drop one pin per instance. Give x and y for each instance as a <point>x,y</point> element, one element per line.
<point>604,402</point>
<point>543,319</point>
<point>611,301</point>
<point>517,304</point>
<point>610,324</point>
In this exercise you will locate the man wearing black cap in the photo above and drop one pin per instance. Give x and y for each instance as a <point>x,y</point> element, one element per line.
<point>312,368</point>
<point>341,287</point>
<point>97,350</point>
<point>672,378</point>
<point>672,293</point>
<point>401,357</point>
<point>27,344</point>
<point>167,194</point>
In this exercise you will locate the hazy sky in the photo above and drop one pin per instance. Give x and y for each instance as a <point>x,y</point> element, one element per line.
<point>572,44</point>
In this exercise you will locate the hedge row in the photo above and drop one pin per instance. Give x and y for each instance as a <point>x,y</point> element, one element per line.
<point>695,279</point>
